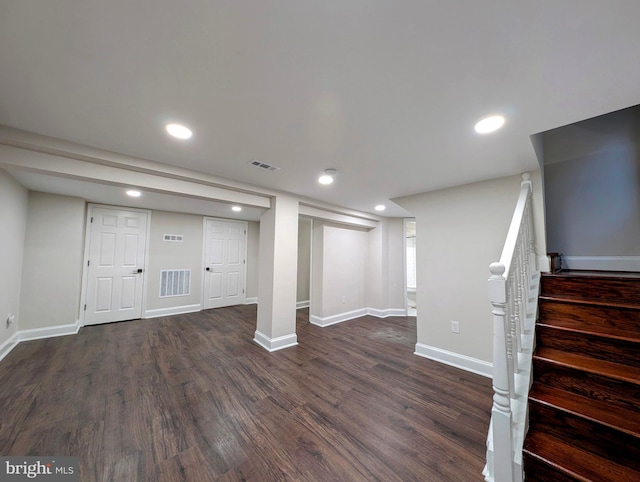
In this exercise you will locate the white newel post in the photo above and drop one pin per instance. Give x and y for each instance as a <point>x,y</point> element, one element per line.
<point>501,410</point>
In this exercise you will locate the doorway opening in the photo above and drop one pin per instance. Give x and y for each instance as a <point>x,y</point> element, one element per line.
<point>411,267</point>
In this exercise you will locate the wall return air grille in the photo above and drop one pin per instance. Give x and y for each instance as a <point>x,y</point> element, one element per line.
<point>175,282</point>
<point>176,238</point>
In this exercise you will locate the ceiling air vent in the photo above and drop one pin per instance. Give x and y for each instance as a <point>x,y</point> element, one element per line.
<point>263,165</point>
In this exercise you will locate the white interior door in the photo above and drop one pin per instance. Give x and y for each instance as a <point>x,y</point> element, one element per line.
<point>224,263</point>
<point>115,265</point>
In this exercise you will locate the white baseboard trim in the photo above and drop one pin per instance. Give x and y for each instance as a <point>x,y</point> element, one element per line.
<point>49,331</point>
<point>350,315</point>
<point>386,312</point>
<point>455,360</point>
<point>175,310</point>
<point>274,344</point>
<point>303,304</point>
<point>339,318</point>
<point>602,263</point>
<point>9,345</point>
<point>251,301</point>
<point>37,334</point>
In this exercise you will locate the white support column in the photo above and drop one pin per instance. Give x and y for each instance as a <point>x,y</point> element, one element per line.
<point>277,278</point>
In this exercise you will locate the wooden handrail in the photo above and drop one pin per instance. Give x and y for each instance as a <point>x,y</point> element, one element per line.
<point>516,223</point>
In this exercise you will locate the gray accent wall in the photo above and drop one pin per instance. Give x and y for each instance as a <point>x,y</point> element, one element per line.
<point>593,204</point>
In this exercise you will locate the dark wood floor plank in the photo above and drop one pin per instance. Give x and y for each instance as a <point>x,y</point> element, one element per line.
<point>193,398</point>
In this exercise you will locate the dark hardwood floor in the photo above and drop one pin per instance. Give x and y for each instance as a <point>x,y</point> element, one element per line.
<point>192,398</point>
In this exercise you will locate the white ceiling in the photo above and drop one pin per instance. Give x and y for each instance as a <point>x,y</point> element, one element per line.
<point>384,91</point>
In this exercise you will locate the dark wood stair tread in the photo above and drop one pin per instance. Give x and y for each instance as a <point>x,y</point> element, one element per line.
<point>612,370</point>
<point>566,273</point>
<point>591,302</point>
<point>577,463</point>
<point>611,333</point>
<point>624,420</point>
<point>584,404</point>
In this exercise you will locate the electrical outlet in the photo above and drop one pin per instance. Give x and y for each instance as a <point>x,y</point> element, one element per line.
<point>344,300</point>
<point>10,319</point>
<point>455,327</point>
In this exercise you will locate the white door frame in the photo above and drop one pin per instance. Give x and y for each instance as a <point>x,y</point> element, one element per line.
<point>204,252</point>
<point>87,243</point>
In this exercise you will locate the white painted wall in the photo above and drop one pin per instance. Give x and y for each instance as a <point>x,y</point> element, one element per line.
<point>174,255</point>
<point>355,269</point>
<point>253,246</point>
<point>13,219</point>
<point>53,258</point>
<point>377,266</point>
<point>339,261</point>
<point>395,279</point>
<point>316,307</point>
<point>304,259</point>
<point>460,231</point>
<point>345,255</point>
<point>384,280</point>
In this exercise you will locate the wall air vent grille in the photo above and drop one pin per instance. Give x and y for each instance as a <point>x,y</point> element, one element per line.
<point>263,165</point>
<point>176,238</point>
<point>175,282</point>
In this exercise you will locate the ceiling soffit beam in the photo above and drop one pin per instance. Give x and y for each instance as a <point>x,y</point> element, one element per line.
<point>36,143</point>
<point>338,218</point>
<point>84,171</point>
<point>57,147</point>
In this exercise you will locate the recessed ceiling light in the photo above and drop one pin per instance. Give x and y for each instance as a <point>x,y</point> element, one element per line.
<point>134,193</point>
<point>327,177</point>
<point>380,207</point>
<point>179,131</point>
<point>236,208</point>
<point>489,124</point>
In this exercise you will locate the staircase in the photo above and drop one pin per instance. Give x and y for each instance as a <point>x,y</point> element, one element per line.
<point>584,404</point>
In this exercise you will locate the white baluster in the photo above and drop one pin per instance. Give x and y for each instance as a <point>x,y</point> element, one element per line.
<point>526,262</point>
<point>517,275</point>
<point>533,259</point>
<point>510,314</point>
